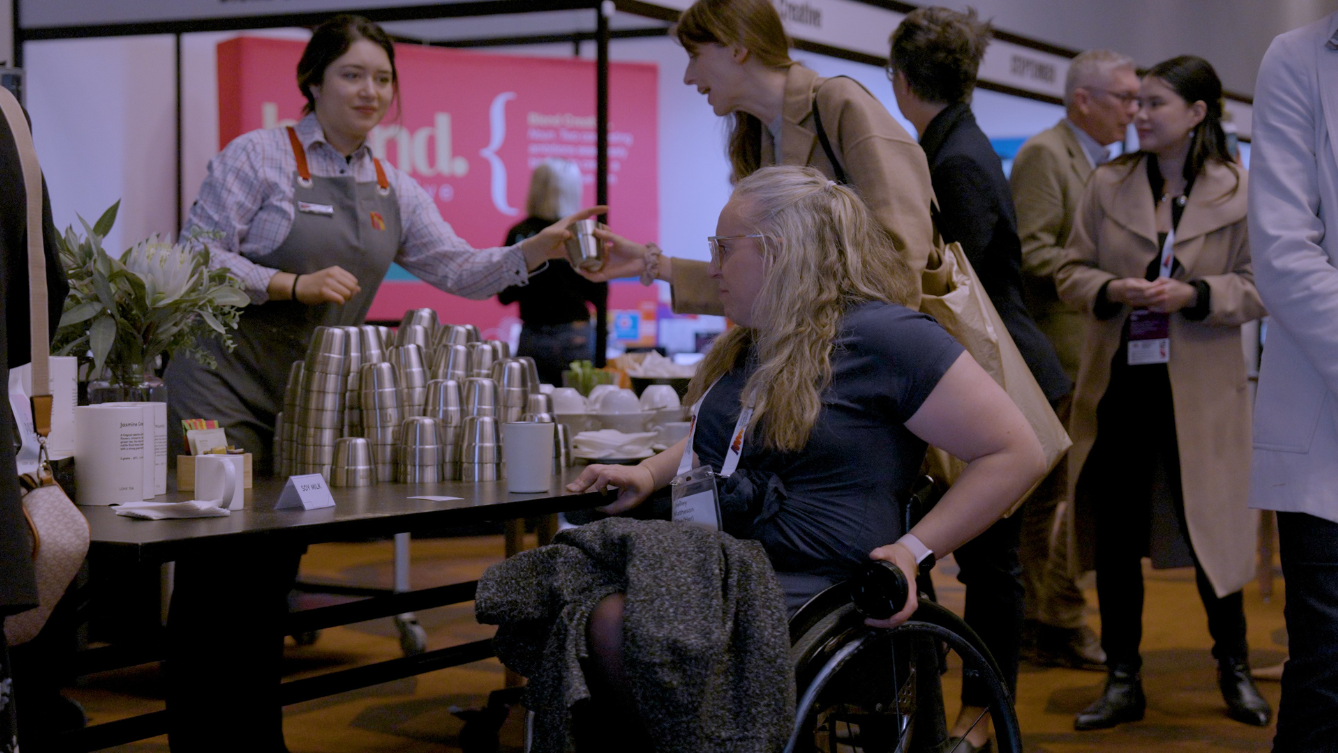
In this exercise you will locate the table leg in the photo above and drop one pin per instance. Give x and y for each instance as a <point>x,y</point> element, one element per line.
<point>514,537</point>
<point>225,651</point>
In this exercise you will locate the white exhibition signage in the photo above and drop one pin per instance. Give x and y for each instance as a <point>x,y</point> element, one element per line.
<point>36,14</point>
<point>308,492</point>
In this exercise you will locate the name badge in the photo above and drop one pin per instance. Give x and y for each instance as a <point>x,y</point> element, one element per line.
<point>309,208</point>
<point>308,492</point>
<point>1149,337</point>
<point>695,498</point>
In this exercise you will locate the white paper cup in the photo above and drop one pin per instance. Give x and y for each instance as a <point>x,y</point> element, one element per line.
<point>219,477</point>
<point>528,449</point>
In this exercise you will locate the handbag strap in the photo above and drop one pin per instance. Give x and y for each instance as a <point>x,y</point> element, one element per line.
<point>826,142</point>
<point>37,297</point>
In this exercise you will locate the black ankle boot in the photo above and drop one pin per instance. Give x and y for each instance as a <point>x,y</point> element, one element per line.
<point>1244,703</point>
<point>1121,701</point>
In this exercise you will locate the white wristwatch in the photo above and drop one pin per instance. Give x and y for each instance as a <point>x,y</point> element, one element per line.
<point>918,550</point>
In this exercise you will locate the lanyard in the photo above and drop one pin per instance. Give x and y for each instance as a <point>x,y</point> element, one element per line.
<point>735,443</point>
<point>1167,255</point>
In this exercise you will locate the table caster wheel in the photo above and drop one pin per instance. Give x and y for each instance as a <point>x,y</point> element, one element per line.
<point>413,638</point>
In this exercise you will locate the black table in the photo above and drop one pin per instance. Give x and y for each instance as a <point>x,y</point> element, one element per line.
<point>229,612</point>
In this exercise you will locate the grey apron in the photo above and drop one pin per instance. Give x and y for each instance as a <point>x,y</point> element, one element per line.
<point>245,391</point>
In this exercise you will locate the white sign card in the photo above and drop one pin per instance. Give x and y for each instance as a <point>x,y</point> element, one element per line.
<point>309,492</point>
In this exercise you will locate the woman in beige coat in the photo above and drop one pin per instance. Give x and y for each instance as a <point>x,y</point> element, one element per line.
<point>1161,417</point>
<point>738,57</point>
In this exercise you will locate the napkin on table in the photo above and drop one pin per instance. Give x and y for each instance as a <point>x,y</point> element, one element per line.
<point>607,442</point>
<point>193,508</point>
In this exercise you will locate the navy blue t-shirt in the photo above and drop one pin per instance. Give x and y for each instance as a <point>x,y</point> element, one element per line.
<point>820,511</point>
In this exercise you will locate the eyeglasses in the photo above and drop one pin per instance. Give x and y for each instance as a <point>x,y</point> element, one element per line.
<point>718,248</point>
<point>1124,98</point>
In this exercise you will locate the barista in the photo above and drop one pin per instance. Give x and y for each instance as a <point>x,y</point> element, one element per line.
<point>310,221</point>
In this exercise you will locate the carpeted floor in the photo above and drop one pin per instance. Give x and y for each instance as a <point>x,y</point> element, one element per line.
<point>1185,712</point>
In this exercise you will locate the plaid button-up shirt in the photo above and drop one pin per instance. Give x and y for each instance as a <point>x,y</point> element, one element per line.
<point>247,201</point>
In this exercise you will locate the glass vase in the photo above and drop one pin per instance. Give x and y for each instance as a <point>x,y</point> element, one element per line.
<point>127,384</point>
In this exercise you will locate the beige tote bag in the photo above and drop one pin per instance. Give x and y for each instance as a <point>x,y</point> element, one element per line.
<point>953,294</point>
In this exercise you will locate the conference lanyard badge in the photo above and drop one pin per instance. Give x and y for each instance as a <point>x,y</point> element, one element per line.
<point>1149,337</point>
<point>696,498</point>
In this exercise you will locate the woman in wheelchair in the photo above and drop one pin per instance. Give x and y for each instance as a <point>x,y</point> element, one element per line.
<point>815,411</point>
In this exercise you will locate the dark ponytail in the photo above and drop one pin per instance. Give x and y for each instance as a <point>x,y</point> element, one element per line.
<point>1194,79</point>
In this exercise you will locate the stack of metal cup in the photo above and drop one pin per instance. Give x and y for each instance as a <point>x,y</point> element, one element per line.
<point>352,463</point>
<point>451,362</point>
<point>425,317</point>
<point>533,368</point>
<point>416,334</point>
<point>320,401</point>
<point>382,415</point>
<point>421,451</point>
<point>285,430</point>
<point>480,397</point>
<point>444,404</point>
<point>513,385</point>
<point>352,400</point>
<point>412,374</point>
<point>501,350</point>
<point>453,334</point>
<point>481,358</point>
<point>481,449</point>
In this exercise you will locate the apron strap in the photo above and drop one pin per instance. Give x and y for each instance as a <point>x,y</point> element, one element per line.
<point>381,180</point>
<point>303,171</point>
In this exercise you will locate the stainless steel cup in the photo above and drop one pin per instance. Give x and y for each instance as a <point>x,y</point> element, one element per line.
<point>352,464</point>
<point>420,432</point>
<point>424,317</point>
<point>562,457</point>
<point>332,341</point>
<point>415,334</point>
<point>501,349</point>
<point>381,435</point>
<point>420,474</point>
<point>480,398</point>
<point>451,362</point>
<point>539,418</point>
<point>584,250</point>
<point>314,455</point>
<point>314,437</point>
<point>472,333</point>
<point>379,376</point>
<point>539,403</point>
<point>481,358</point>
<point>482,453</point>
<point>510,414</point>
<point>382,418</point>
<point>373,347</point>
<point>480,472</point>
<point>443,401</point>
<point>326,401</point>
<point>533,368</point>
<point>313,418</point>
<point>480,430</point>
<point>511,373</point>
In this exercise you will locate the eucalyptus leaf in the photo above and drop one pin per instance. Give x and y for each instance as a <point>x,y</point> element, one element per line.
<point>229,296</point>
<point>81,313</point>
<point>101,337</point>
<point>213,322</point>
<point>104,223</point>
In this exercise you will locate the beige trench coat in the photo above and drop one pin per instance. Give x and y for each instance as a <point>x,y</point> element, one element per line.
<point>880,159</point>
<point>1115,236</point>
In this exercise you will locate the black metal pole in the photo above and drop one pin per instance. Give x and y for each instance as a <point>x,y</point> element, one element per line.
<point>17,62</point>
<point>602,154</point>
<point>177,220</point>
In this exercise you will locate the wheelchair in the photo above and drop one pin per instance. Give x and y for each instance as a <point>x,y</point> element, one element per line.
<point>889,701</point>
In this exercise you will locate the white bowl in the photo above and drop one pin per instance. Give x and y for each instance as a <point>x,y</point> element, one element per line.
<point>568,400</point>
<point>578,422</point>
<point>657,396</point>
<point>619,401</point>
<point>627,423</point>
<point>596,393</point>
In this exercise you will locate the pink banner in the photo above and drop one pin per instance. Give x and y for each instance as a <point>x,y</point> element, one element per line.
<point>470,129</point>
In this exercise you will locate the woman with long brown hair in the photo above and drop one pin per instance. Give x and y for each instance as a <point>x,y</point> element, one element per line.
<point>1159,257</point>
<point>780,112</point>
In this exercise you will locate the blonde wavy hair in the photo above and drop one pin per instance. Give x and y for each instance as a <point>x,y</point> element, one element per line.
<point>822,253</point>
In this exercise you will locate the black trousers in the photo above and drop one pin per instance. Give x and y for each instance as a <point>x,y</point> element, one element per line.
<point>1308,714</point>
<point>1136,456</point>
<point>992,573</point>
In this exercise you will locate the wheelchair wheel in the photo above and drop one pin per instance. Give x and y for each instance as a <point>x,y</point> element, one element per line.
<point>865,690</point>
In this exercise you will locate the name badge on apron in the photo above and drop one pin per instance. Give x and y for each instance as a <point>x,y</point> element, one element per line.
<point>694,491</point>
<point>310,208</point>
<point>1149,331</point>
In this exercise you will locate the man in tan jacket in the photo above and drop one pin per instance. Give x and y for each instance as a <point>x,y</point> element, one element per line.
<point>1048,177</point>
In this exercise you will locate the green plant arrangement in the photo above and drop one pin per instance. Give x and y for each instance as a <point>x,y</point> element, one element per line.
<point>158,297</point>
